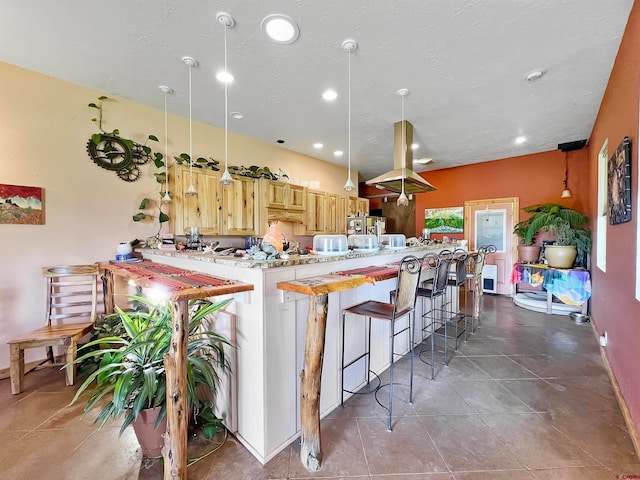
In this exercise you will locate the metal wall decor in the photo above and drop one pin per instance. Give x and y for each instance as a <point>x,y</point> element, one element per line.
<point>619,183</point>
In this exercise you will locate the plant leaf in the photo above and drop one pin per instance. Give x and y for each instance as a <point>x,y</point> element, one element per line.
<point>139,217</point>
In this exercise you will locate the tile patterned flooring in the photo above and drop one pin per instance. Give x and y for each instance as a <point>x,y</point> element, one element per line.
<point>527,397</point>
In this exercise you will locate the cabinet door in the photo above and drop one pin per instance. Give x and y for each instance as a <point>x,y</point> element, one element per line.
<point>342,214</point>
<point>296,197</point>
<point>316,212</point>
<point>239,206</point>
<point>275,194</point>
<point>352,206</point>
<point>202,210</point>
<point>363,206</point>
<point>332,213</point>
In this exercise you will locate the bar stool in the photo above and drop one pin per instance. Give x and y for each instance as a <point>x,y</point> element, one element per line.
<point>434,291</point>
<point>457,280</point>
<point>475,263</point>
<point>404,304</point>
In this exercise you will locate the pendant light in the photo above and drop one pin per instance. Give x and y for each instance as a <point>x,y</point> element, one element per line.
<point>166,198</point>
<point>403,201</point>
<point>225,77</point>
<point>566,193</point>
<point>349,46</point>
<point>191,191</point>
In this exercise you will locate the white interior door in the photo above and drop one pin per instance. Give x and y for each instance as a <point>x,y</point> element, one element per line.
<point>490,222</point>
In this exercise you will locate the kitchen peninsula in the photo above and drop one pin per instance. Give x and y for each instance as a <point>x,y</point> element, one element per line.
<point>271,328</point>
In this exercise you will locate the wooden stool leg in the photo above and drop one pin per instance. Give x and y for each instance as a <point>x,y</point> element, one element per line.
<point>16,368</point>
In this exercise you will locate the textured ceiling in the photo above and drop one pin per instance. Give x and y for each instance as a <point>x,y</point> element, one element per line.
<point>464,62</point>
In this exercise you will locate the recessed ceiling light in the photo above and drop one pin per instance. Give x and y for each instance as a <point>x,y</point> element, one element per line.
<point>414,146</point>
<point>279,141</point>
<point>520,140</point>
<point>330,95</point>
<point>317,146</point>
<point>338,153</point>
<point>224,76</point>
<point>424,161</point>
<point>236,115</point>
<point>280,28</point>
<point>534,75</point>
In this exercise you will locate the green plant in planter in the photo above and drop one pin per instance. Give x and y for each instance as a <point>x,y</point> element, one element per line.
<point>131,375</point>
<point>568,225</point>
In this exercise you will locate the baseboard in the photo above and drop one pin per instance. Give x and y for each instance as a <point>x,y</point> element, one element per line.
<point>28,366</point>
<point>633,432</point>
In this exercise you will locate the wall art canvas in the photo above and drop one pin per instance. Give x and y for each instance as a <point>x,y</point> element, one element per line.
<point>21,205</point>
<point>444,220</point>
<point>619,188</point>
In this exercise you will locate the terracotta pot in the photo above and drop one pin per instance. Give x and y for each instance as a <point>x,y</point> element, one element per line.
<point>560,256</point>
<point>528,253</point>
<point>151,439</point>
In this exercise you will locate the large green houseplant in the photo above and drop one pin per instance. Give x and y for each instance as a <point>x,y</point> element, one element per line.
<point>569,227</point>
<point>131,377</point>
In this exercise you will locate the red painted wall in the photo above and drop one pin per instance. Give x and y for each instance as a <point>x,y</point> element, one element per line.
<point>613,306</point>
<point>534,179</point>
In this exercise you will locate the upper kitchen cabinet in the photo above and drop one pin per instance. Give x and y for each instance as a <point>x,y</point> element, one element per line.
<point>282,201</point>
<point>316,212</point>
<point>284,195</point>
<point>357,206</point>
<point>202,210</point>
<point>239,207</point>
<point>332,218</point>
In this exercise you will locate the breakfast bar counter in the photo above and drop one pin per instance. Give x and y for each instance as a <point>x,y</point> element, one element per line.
<point>271,331</point>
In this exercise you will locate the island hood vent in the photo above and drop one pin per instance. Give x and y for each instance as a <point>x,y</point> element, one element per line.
<point>402,163</point>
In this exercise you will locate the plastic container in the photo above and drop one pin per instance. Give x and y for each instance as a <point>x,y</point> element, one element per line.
<point>363,243</point>
<point>393,240</point>
<point>330,244</point>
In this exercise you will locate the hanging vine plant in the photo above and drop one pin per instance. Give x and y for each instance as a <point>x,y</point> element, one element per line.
<point>253,171</point>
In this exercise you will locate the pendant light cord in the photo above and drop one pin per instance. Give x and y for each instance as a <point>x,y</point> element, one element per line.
<point>166,146</point>
<point>226,115</point>
<point>349,115</point>
<point>190,133</point>
<point>404,154</point>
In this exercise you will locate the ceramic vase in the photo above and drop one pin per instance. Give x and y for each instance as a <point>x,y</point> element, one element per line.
<point>273,236</point>
<point>151,439</point>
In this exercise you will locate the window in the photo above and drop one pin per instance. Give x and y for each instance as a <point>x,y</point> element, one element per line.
<point>601,221</point>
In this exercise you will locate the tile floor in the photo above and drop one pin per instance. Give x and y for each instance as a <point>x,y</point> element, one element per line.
<point>527,397</point>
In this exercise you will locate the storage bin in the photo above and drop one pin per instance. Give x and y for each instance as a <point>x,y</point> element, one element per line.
<point>363,243</point>
<point>330,244</point>
<point>393,240</point>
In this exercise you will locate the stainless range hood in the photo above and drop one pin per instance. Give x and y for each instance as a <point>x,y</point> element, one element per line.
<point>402,163</point>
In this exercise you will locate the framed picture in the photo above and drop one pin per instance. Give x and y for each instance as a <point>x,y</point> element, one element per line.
<point>21,205</point>
<point>619,187</point>
<point>444,220</point>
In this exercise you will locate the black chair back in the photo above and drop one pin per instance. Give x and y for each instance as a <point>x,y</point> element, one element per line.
<point>407,283</point>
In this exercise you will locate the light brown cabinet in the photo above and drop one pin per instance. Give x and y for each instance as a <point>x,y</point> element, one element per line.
<point>316,212</point>
<point>202,210</point>
<point>282,201</point>
<point>215,210</point>
<point>239,207</point>
<point>362,206</point>
<point>332,219</point>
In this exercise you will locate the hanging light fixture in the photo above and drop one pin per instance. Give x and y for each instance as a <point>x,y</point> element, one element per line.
<point>191,191</point>
<point>225,77</point>
<point>166,198</point>
<point>403,201</point>
<point>566,193</point>
<point>349,46</point>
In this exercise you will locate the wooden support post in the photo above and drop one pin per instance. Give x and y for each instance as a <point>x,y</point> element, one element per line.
<point>109,292</point>
<point>175,363</point>
<point>310,377</point>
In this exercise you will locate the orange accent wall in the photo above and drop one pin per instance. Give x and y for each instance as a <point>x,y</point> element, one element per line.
<point>534,179</point>
<point>613,306</point>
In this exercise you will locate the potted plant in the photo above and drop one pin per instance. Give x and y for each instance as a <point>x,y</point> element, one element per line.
<point>572,238</point>
<point>131,377</point>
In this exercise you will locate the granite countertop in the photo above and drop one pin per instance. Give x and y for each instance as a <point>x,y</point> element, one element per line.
<point>293,260</point>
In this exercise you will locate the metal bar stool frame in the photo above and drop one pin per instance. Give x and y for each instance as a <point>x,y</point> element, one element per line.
<point>407,283</point>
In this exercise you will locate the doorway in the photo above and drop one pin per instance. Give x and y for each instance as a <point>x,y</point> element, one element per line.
<point>490,222</point>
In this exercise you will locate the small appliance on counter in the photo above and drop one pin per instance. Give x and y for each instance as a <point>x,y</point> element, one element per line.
<point>366,225</point>
<point>194,240</point>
